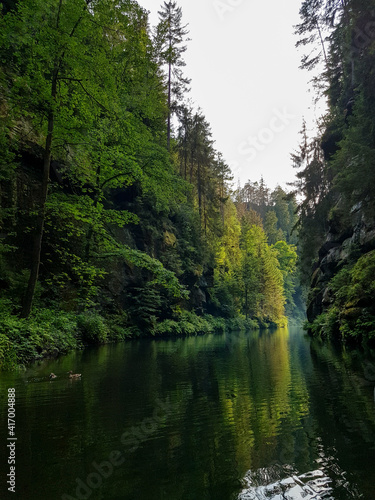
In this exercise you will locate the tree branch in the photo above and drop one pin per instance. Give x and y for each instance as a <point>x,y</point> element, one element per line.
<point>70,79</point>
<point>93,98</point>
<point>119,175</point>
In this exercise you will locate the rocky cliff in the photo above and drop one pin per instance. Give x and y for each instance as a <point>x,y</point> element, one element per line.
<point>343,278</point>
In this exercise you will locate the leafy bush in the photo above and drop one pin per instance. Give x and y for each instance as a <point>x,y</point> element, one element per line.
<point>117,332</point>
<point>351,316</point>
<point>326,325</point>
<point>188,323</point>
<point>17,331</point>
<point>47,333</point>
<point>240,323</point>
<point>365,326</point>
<point>218,323</point>
<point>363,278</point>
<point>8,357</point>
<point>93,328</point>
<point>168,327</point>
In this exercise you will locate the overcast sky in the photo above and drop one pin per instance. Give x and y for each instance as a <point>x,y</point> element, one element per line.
<point>246,79</point>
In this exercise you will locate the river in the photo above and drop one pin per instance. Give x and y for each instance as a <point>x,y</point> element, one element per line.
<point>270,415</point>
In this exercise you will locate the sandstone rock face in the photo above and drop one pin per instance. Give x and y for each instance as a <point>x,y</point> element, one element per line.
<point>341,245</point>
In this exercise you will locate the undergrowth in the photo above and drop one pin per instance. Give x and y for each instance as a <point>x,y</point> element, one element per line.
<point>49,333</point>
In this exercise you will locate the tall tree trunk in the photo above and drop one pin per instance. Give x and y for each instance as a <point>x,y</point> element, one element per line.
<point>353,69</point>
<point>199,190</point>
<point>246,303</point>
<point>205,216</point>
<point>169,107</point>
<point>185,154</point>
<point>37,247</point>
<point>90,232</point>
<point>322,44</point>
<point>39,230</point>
<point>222,200</point>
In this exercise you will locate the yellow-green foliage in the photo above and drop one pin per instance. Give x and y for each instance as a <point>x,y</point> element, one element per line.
<point>263,279</point>
<point>227,258</point>
<point>249,273</point>
<point>132,231</point>
<point>228,252</point>
<point>273,290</point>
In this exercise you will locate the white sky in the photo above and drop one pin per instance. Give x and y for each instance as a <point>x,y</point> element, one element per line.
<point>246,79</point>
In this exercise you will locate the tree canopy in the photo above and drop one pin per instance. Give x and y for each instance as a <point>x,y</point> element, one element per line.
<point>106,210</point>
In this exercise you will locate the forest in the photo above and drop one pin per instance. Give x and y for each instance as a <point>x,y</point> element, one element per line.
<point>119,218</point>
<point>336,174</point>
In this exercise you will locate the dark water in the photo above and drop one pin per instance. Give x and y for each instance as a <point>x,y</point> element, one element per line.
<point>237,416</point>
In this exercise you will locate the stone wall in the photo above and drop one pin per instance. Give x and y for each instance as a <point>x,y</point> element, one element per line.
<point>344,243</point>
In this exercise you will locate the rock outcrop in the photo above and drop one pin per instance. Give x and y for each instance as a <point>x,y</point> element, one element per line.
<point>345,243</point>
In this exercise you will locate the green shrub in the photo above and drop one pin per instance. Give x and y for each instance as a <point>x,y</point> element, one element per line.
<point>316,327</point>
<point>118,333</point>
<point>188,324</point>
<point>363,277</point>
<point>243,324</point>
<point>93,328</point>
<point>362,329</point>
<point>332,323</point>
<point>236,324</point>
<point>167,327</point>
<point>251,324</point>
<point>17,331</point>
<point>351,316</point>
<point>44,334</point>
<point>365,326</point>
<point>218,324</point>
<point>340,285</point>
<point>326,325</point>
<point>8,356</point>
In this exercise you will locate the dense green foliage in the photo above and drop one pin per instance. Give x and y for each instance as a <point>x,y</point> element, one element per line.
<point>351,315</point>
<point>112,223</point>
<point>336,169</point>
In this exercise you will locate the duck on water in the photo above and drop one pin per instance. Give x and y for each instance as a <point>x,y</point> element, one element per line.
<point>72,375</point>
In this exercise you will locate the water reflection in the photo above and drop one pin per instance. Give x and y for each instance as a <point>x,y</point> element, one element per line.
<point>275,484</point>
<point>203,417</point>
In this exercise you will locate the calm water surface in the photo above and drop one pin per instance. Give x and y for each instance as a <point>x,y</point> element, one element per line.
<point>220,417</point>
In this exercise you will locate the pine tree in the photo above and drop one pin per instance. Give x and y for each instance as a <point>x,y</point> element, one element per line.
<point>224,175</point>
<point>169,41</point>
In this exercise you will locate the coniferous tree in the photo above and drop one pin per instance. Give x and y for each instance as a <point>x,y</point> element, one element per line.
<point>169,40</point>
<point>122,233</point>
<point>336,168</point>
<point>224,175</point>
<point>184,135</point>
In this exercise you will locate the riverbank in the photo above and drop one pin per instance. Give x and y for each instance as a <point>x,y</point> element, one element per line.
<point>49,333</point>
